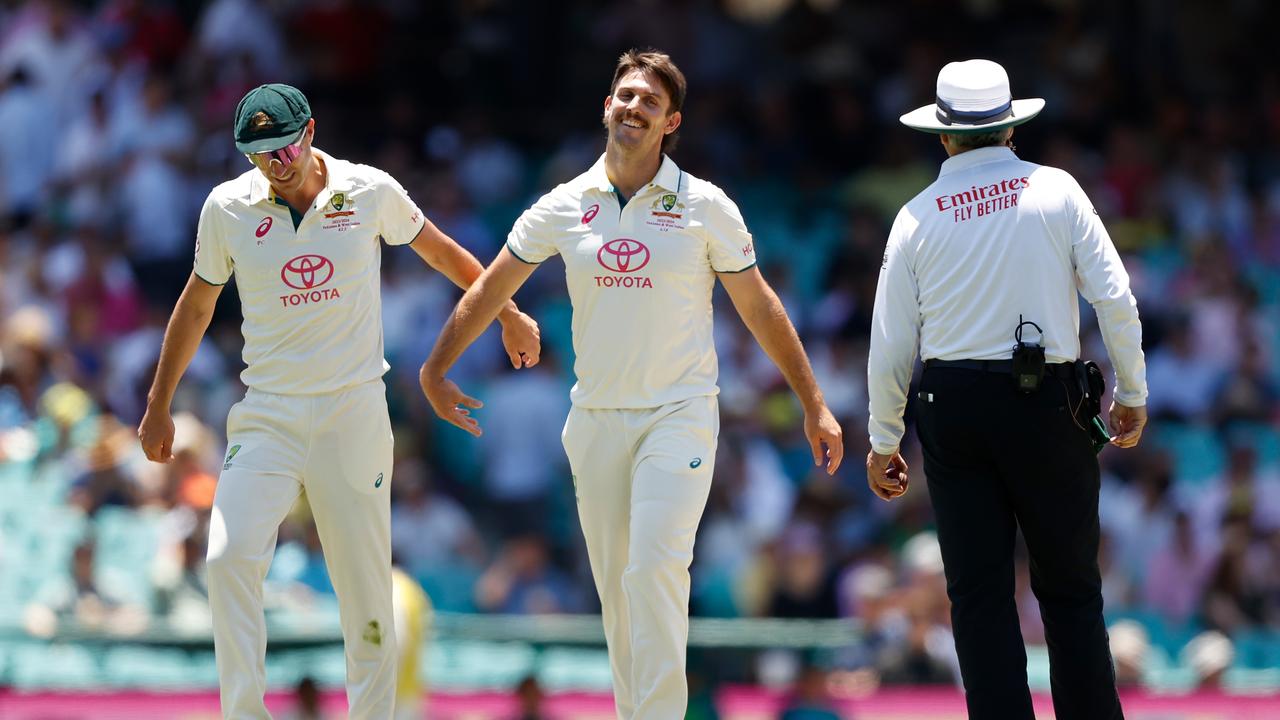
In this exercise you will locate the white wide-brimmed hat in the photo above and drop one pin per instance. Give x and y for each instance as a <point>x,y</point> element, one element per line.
<point>973,96</point>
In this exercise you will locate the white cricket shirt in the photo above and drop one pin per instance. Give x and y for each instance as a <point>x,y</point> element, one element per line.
<point>994,237</point>
<point>640,276</point>
<point>311,295</point>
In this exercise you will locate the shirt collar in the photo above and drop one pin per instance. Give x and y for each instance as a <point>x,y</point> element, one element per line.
<point>670,177</point>
<point>259,188</point>
<point>971,158</point>
<point>334,182</point>
<point>598,178</point>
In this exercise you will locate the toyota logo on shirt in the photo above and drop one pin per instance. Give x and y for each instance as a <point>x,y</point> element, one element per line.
<point>306,272</point>
<point>623,255</point>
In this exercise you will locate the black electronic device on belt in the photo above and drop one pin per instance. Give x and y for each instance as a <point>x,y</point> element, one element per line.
<point>1091,385</point>
<point>1028,359</point>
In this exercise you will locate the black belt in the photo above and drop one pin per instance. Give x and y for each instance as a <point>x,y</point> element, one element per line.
<point>1061,370</point>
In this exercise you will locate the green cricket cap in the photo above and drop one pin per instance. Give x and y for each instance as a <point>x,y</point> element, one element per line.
<point>287,108</point>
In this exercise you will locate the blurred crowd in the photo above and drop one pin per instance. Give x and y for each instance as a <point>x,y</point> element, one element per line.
<point>116,123</point>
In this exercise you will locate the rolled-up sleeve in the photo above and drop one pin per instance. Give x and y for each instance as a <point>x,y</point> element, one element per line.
<point>895,338</point>
<point>1103,282</point>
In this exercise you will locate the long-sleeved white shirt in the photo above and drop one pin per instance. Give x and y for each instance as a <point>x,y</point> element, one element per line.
<point>995,237</point>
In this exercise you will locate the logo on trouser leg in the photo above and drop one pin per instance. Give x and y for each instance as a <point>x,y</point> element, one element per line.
<point>231,453</point>
<point>378,483</point>
<point>696,462</point>
<point>373,633</point>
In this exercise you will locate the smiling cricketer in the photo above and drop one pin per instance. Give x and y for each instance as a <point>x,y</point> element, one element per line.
<point>643,244</point>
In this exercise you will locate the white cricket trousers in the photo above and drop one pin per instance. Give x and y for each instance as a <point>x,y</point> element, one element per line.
<point>642,478</point>
<point>337,447</point>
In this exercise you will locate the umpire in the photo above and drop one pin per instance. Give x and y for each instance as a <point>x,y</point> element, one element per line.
<point>980,273</point>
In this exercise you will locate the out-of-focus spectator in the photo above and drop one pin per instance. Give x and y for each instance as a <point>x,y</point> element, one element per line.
<point>430,532</point>
<point>182,587</point>
<point>804,585</point>
<point>1129,647</point>
<point>1247,392</point>
<point>925,654</point>
<point>867,592</point>
<point>1180,383</point>
<point>1118,589</point>
<point>524,414</point>
<point>26,363</point>
<point>522,580</point>
<point>921,650</point>
<point>490,168</point>
<point>1235,598</point>
<point>53,40</point>
<point>155,143</point>
<point>810,699</point>
<point>228,28</point>
<point>1210,654</point>
<point>1242,490</point>
<point>1139,515</point>
<point>529,697</point>
<point>85,598</point>
<point>26,146</point>
<point>1179,571</point>
<point>307,701</point>
<point>299,561</point>
<point>105,477</point>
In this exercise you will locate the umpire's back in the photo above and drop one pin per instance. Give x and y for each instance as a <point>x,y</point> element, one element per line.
<point>996,237</point>
<point>1005,432</point>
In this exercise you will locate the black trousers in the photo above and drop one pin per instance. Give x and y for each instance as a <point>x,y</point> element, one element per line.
<point>997,460</point>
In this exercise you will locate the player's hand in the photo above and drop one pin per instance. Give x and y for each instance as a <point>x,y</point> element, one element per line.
<point>156,433</point>
<point>887,475</point>
<point>450,403</point>
<point>521,338</point>
<point>1127,424</point>
<point>821,428</point>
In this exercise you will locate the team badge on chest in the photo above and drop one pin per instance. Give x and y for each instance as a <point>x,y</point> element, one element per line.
<point>340,216</point>
<point>667,213</point>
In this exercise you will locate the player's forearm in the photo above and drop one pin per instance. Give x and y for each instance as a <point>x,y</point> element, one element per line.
<point>477,308</point>
<point>454,262</point>
<point>182,337</point>
<point>768,322</point>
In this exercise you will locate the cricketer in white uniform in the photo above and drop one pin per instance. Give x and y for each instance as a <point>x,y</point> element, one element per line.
<point>302,234</point>
<point>643,243</point>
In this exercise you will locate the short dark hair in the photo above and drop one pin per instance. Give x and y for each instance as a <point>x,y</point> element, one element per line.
<point>973,141</point>
<point>662,67</point>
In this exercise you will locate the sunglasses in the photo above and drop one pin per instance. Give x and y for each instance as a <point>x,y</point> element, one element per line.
<point>284,157</point>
